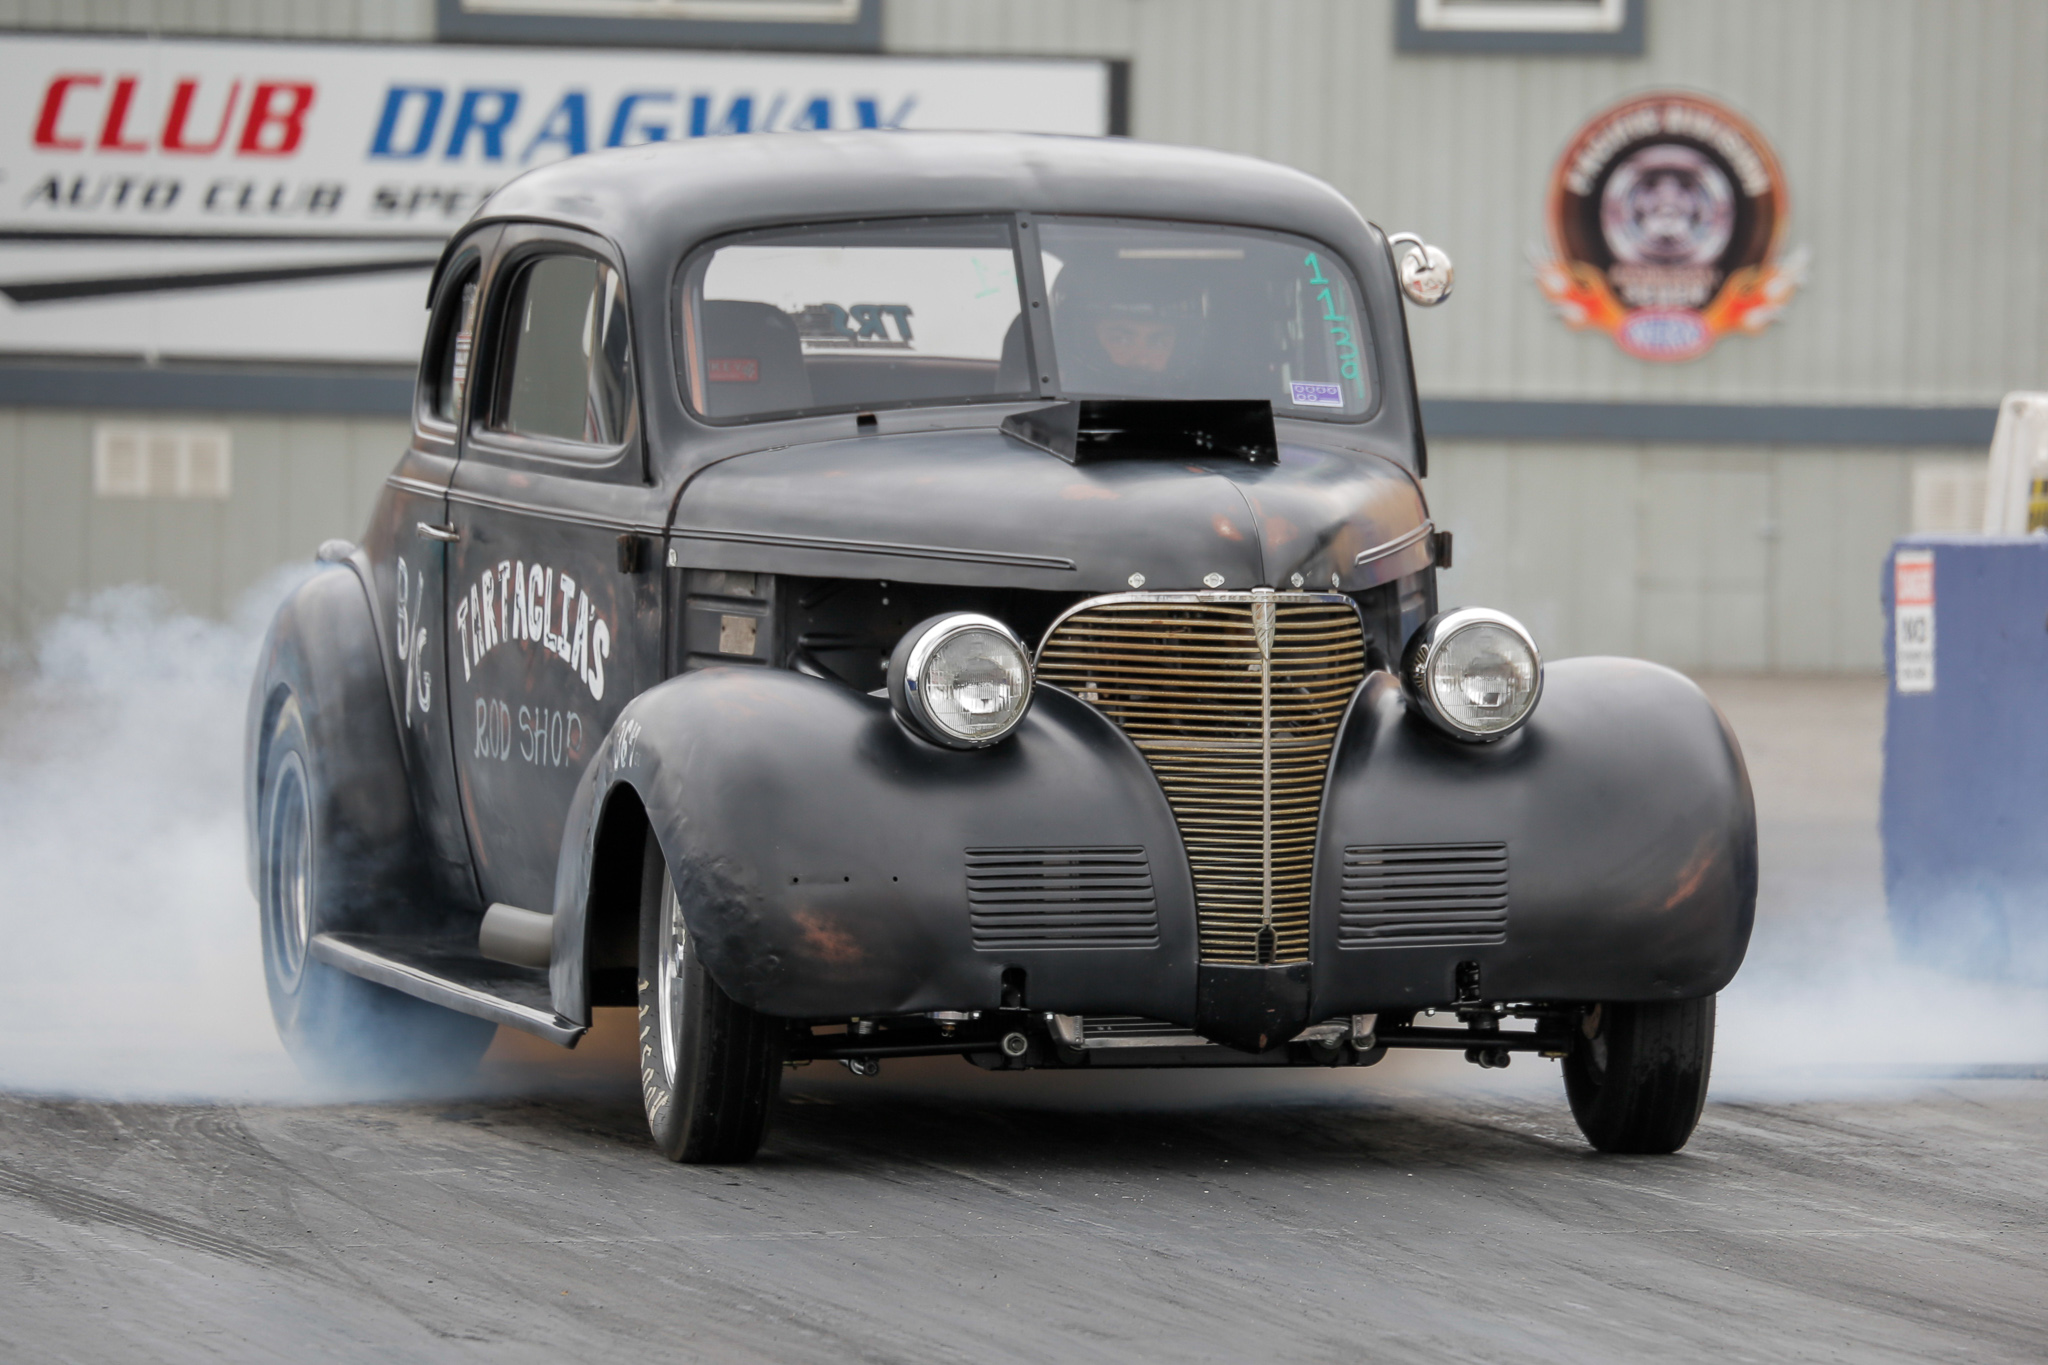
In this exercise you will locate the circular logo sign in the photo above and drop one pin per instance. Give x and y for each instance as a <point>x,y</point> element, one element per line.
<point>1666,214</point>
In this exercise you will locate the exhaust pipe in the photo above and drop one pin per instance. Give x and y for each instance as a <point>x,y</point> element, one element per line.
<point>524,938</point>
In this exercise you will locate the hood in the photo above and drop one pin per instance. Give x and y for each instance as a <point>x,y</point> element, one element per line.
<point>982,508</point>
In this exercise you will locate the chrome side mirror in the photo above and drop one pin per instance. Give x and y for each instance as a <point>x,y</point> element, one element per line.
<point>1425,271</point>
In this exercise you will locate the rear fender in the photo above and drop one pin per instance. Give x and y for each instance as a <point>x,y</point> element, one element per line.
<point>819,849</point>
<point>322,649</point>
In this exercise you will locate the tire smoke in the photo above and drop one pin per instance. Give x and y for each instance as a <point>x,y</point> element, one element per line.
<point>1826,1006</point>
<point>132,965</point>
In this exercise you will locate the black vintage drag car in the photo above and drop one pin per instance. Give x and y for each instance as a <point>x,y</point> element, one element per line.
<point>879,595</point>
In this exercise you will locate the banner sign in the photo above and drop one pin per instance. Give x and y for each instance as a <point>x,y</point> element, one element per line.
<point>283,201</point>
<point>1666,216</point>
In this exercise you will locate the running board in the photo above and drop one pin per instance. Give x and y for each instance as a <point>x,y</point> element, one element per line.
<point>466,982</point>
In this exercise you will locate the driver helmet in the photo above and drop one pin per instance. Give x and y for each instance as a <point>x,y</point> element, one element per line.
<point>1131,326</point>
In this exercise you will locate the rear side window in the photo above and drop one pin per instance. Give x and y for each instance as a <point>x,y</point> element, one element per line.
<point>566,371</point>
<point>454,340</point>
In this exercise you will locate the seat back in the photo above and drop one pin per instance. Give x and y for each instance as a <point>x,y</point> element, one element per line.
<point>753,359</point>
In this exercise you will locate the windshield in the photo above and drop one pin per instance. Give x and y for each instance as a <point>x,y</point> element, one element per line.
<point>893,314</point>
<point>1153,310</point>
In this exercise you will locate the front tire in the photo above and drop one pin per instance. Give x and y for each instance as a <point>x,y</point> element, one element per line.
<point>709,1067</point>
<point>1637,1074</point>
<point>340,1029</point>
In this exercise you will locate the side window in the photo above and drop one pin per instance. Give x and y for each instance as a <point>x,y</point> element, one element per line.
<point>565,370</point>
<point>455,337</point>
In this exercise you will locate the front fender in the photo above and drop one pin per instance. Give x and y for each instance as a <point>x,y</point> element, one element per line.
<point>821,852</point>
<point>1605,851</point>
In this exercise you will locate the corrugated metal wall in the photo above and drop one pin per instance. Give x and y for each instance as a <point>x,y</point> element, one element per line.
<point>1702,557</point>
<point>296,481</point>
<point>1699,557</point>
<point>387,20</point>
<point>1913,133</point>
<point>1914,137</point>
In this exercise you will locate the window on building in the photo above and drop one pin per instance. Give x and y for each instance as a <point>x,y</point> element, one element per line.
<point>161,460</point>
<point>1523,26</point>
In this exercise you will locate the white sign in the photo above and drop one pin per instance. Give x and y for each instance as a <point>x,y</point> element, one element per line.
<point>1913,620</point>
<point>275,201</point>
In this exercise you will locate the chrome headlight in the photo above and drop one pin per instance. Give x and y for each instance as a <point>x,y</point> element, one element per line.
<point>1474,672</point>
<point>962,680</point>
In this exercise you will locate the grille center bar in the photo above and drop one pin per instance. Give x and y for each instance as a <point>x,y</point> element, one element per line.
<point>1234,699</point>
<point>1262,627</point>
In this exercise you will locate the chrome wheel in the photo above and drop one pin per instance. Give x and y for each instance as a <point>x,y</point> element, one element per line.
<point>1596,1041</point>
<point>289,886</point>
<point>709,1067</point>
<point>670,978</point>
<point>341,1029</point>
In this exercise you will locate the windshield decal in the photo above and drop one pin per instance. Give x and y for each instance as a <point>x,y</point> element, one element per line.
<point>1340,324</point>
<point>1316,395</point>
<point>862,325</point>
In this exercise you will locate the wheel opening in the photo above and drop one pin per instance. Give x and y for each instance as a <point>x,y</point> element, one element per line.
<point>612,931</point>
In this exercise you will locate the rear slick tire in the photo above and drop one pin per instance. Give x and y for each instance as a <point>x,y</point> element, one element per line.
<point>709,1067</point>
<point>1637,1074</point>
<point>342,1031</point>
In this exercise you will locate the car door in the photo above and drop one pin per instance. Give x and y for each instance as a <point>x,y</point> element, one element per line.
<point>553,613</point>
<point>406,545</point>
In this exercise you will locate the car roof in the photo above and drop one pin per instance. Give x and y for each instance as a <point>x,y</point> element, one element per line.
<point>661,198</point>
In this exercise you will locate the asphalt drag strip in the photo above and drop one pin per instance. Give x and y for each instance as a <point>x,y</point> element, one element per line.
<point>881,1224</point>
<point>1870,1182</point>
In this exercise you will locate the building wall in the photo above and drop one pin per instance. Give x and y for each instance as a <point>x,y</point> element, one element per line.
<point>410,21</point>
<point>296,481</point>
<point>1912,133</point>
<point>1702,557</point>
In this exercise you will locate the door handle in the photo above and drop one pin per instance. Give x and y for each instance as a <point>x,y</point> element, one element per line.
<point>429,531</point>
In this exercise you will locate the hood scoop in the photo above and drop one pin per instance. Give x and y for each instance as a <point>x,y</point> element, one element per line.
<point>1092,430</point>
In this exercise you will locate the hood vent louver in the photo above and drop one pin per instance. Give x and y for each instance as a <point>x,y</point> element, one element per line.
<point>1096,429</point>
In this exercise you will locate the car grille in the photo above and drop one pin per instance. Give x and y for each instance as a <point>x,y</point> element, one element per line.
<point>1234,698</point>
<point>1423,895</point>
<point>1061,898</point>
